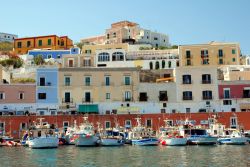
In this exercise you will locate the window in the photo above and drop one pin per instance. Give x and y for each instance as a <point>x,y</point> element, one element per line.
<point>88,51</point>
<point>41,112</point>
<point>246,93</point>
<point>107,124</point>
<point>49,56</point>
<point>163,64</point>
<point>127,80</point>
<point>87,81</point>
<point>188,63</point>
<point>67,98</point>
<point>206,79</point>
<point>86,62</point>
<point>127,96</point>
<point>155,38</point>
<point>40,43</point>
<point>23,126</point>
<point>188,110</point>
<point>204,57</point>
<point>42,81</point>
<point>2,95</point>
<point>221,61</point>
<point>117,56</point>
<point>114,35</point>
<point>207,95</point>
<point>151,65</point>
<point>186,79</point>
<point>233,59</point>
<point>187,95</point>
<point>49,41</point>
<point>233,51</point>
<point>21,95</point>
<point>169,64</point>
<point>143,96</point>
<point>226,93</point>
<point>128,124</point>
<point>67,81</point>
<point>233,122</point>
<point>62,43</point>
<point>19,44</point>
<point>102,57</point>
<point>157,65</point>
<point>107,81</point>
<point>41,96</point>
<point>163,96</point>
<point>87,97</point>
<point>28,44</point>
<point>188,54</point>
<point>227,102</point>
<point>70,63</point>
<point>58,56</point>
<point>148,123</point>
<point>220,53</point>
<point>163,110</point>
<point>107,96</point>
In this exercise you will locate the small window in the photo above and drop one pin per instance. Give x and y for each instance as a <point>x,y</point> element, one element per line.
<point>233,59</point>
<point>49,56</point>
<point>127,80</point>
<point>148,123</point>
<point>19,44</point>
<point>21,96</point>
<point>40,43</point>
<point>2,95</point>
<point>41,112</point>
<point>41,96</point>
<point>67,81</point>
<point>28,44</point>
<point>107,124</point>
<point>188,110</point>
<point>58,56</point>
<point>87,81</point>
<point>49,41</point>
<point>233,51</point>
<point>163,110</point>
<point>227,102</point>
<point>107,96</point>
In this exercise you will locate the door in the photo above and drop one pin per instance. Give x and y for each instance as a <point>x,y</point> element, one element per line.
<point>87,97</point>
<point>67,97</point>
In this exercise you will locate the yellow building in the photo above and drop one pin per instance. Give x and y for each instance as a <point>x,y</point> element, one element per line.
<point>85,88</point>
<point>91,49</point>
<point>50,42</point>
<point>213,53</point>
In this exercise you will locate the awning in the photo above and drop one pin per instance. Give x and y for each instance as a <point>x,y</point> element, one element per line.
<point>245,106</point>
<point>126,110</point>
<point>165,79</point>
<point>88,108</point>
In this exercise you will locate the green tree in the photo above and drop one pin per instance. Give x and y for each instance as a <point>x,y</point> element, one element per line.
<point>15,62</point>
<point>38,60</point>
<point>79,45</point>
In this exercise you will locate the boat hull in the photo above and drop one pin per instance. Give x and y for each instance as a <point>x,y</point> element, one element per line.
<point>43,142</point>
<point>174,141</point>
<point>202,140</point>
<point>233,141</point>
<point>84,140</point>
<point>111,142</point>
<point>145,142</point>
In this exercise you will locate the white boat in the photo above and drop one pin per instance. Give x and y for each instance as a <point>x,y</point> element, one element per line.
<point>232,137</point>
<point>142,136</point>
<point>69,135</point>
<point>41,136</point>
<point>85,135</point>
<point>197,135</point>
<point>170,136</point>
<point>111,138</point>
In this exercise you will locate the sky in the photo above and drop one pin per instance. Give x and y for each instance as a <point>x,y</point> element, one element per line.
<point>185,21</point>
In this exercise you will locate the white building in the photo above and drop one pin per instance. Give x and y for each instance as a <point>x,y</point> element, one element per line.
<point>5,37</point>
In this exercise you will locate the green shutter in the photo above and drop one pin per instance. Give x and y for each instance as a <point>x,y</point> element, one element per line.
<point>49,41</point>
<point>40,43</point>
<point>88,108</point>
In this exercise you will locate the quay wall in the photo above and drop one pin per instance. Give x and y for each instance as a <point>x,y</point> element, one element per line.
<point>15,125</point>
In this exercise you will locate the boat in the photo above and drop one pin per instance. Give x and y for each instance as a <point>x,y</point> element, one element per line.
<point>84,135</point>
<point>170,136</point>
<point>41,135</point>
<point>232,137</point>
<point>111,138</point>
<point>197,135</point>
<point>69,134</point>
<point>142,136</point>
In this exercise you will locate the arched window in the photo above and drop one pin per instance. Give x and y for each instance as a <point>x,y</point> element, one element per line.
<point>169,64</point>
<point>163,64</point>
<point>104,56</point>
<point>157,65</point>
<point>117,56</point>
<point>151,65</point>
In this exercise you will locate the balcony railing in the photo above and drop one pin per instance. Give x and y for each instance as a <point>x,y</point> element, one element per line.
<point>187,98</point>
<point>127,99</point>
<point>206,81</point>
<point>67,100</point>
<point>143,98</point>
<point>187,82</point>
<point>45,84</point>
<point>207,97</point>
<point>165,98</point>
<point>220,55</point>
<point>87,100</point>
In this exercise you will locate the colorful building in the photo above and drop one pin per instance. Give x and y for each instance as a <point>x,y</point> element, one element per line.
<point>50,42</point>
<point>47,91</point>
<point>211,54</point>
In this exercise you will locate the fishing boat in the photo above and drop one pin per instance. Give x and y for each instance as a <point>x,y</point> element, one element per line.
<point>197,135</point>
<point>69,134</point>
<point>41,135</point>
<point>170,135</point>
<point>85,135</point>
<point>232,137</point>
<point>142,136</point>
<point>111,138</point>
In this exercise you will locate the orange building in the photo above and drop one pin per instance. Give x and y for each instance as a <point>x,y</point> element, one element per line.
<point>50,42</point>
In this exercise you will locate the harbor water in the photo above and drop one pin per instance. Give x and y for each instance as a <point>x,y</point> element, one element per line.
<point>128,156</point>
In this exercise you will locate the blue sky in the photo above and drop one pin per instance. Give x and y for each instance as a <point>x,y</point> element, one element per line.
<point>185,21</point>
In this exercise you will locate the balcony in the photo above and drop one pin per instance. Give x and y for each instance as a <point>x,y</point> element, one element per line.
<point>187,82</point>
<point>127,99</point>
<point>87,100</point>
<point>187,98</point>
<point>221,55</point>
<point>163,98</point>
<point>225,97</point>
<point>206,81</point>
<point>67,100</point>
<point>44,84</point>
<point>143,98</point>
<point>207,97</point>
<point>127,84</point>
